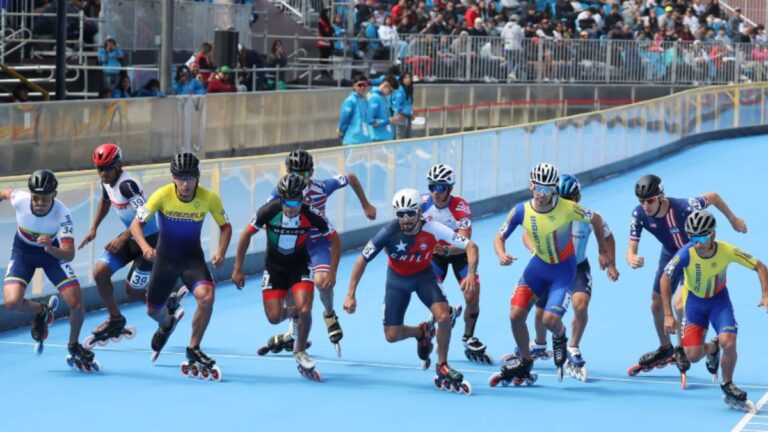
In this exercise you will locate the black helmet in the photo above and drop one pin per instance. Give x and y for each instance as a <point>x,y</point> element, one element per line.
<point>185,164</point>
<point>700,223</point>
<point>42,182</point>
<point>299,160</point>
<point>291,186</point>
<point>648,186</point>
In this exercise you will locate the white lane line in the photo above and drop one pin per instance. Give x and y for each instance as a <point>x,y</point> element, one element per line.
<point>749,416</point>
<point>485,372</point>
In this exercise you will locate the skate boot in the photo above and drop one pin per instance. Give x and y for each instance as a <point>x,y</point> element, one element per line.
<point>475,350</point>
<point>657,358</point>
<point>334,331</point>
<point>282,342</point>
<point>199,365</point>
<point>713,361</point>
<point>538,352</point>
<point>82,359</point>
<point>163,333</point>
<point>306,366</point>
<point>560,351</point>
<point>425,346</point>
<point>41,322</point>
<point>517,370</point>
<point>736,398</point>
<point>112,328</point>
<point>450,379</point>
<point>683,364</point>
<point>174,300</point>
<point>575,364</point>
<point>455,312</point>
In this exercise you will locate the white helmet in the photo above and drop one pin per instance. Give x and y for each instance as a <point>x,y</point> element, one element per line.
<point>545,174</point>
<point>441,174</point>
<point>407,199</point>
<point>700,223</point>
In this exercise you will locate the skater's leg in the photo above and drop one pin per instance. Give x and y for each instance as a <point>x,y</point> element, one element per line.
<point>517,317</point>
<point>102,274</point>
<point>72,296</point>
<point>304,293</point>
<point>396,333</point>
<point>273,306</point>
<point>539,326</point>
<point>729,356</point>
<point>322,282</point>
<point>472,311</point>
<point>161,283</point>
<point>205,295</point>
<point>658,319</point>
<point>13,295</point>
<point>441,313</point>
<point>679,314</point>
<point>580,303</point>
<point>554,323</point>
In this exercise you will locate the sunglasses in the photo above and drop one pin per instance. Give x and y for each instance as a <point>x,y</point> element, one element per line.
<point>439,188</point>
<point>651,200</point>
<point>361,84</point>
<point>542,189</point>
<point>292,203</point>
<point>699,239</point>
<point>401,214</point>
<point>186,178</point>
<point>305,174</point>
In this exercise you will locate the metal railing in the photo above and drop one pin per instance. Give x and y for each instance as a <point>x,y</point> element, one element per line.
<point>17,29</point>
<point>303,12</point>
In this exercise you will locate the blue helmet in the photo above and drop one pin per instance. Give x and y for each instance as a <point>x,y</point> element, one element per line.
<point>569,186</point>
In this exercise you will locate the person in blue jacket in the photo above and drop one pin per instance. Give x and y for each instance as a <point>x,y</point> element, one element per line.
<point>354,115</point>
<point>186,84</point>
<point>402,106</point>
<point>379,105</point>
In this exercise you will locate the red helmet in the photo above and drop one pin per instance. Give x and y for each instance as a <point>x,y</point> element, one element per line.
<point>107,154</point>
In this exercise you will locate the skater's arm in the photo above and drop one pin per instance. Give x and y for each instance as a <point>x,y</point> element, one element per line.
<point>350,303</point>
<point>762,273</point>
<point>633,259</point>
<point>368,209</point>
<point>225,236</point>
<point>242,247</point>
<point>137,230</point>
<point>473,257</point>
<point>65,252</point>
<point>666,301</point>
<point>716,200</point>
<point>613,272</point>
<point>501,251</point>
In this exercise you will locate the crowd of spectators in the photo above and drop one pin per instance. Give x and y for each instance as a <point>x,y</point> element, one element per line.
<point>519,39</point>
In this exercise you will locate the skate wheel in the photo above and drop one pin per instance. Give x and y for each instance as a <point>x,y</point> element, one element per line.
<point>447,386</point>
<point>38,348</point>
<point>438,384</point>
<point>560,373</point>
<point>634,370</point>
<point>518,381</point>
<point>216,374</point>
<point>262,351</point>
<point>337,347</point>
<point>494,380</point>
<point>683,381</point>
<point>185,369</point>
<point>195,371</point>
<point>130,332</point>
<point>204,373</point>
<point>70,362</point>
<point>488,359</point>
<point>466,388</point>
<point>88,342</point>
<point>532,380</point>
<point>115,339</point>
<point>87,367</point>
<point>154,356</point>
<point>316,376</point>
<point>96,366</point>
<point>583,375</point>
<point>425,364</point>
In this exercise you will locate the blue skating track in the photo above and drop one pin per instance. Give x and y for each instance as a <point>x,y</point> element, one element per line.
<point>377,386</point>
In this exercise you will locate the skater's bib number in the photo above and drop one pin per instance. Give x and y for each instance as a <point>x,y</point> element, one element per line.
<point>68,270</point>
<point>265,281</point>
<point>139,280</point>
